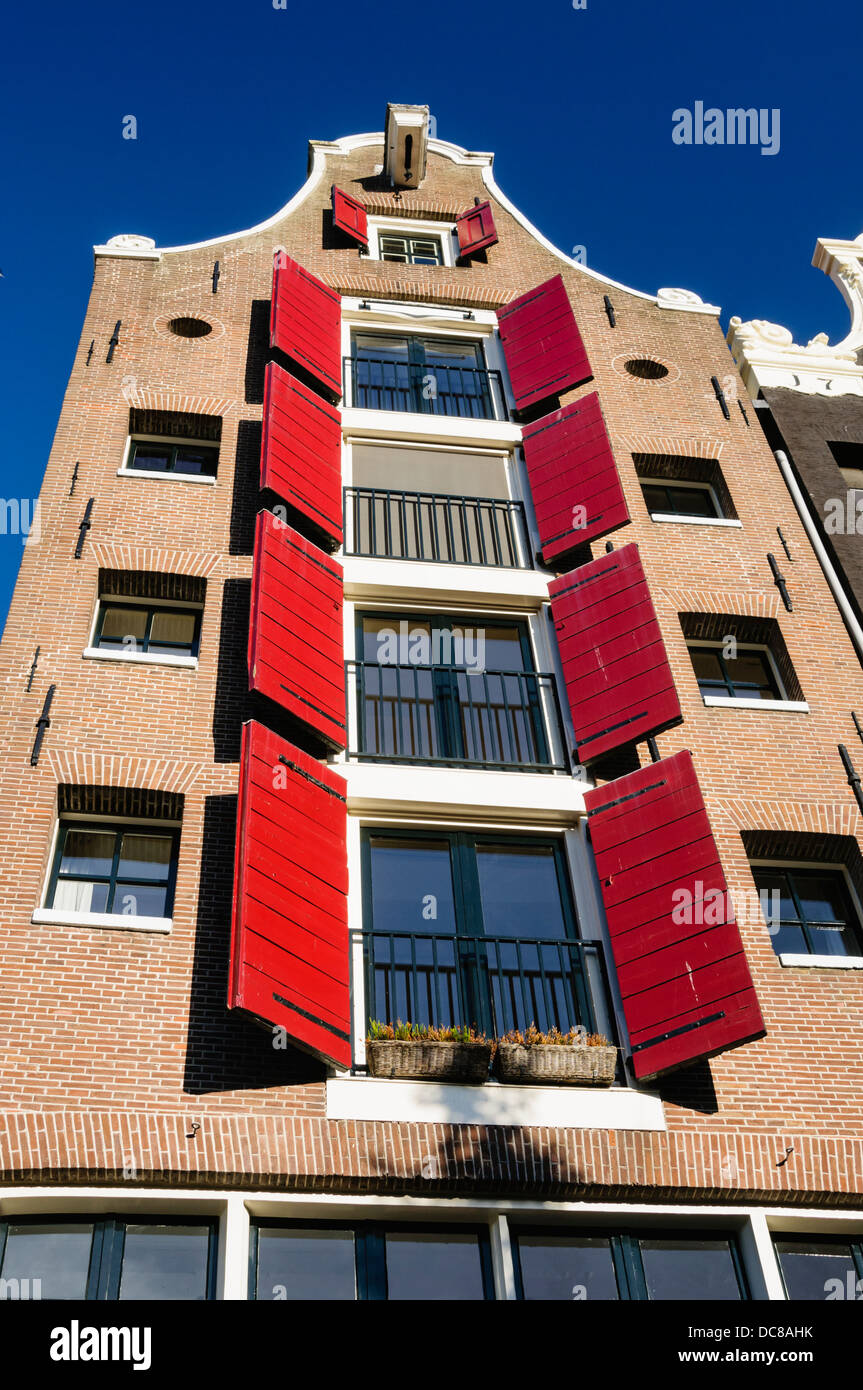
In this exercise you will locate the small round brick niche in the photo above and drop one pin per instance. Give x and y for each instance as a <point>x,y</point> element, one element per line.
<point>190,327</point>
<point>645,368</point>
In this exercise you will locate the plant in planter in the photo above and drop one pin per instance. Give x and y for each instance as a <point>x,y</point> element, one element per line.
<point>417,1052</point>
<point>576,1058</point>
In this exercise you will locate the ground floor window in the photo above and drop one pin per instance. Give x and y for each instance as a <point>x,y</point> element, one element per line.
<point>326,1262</point>
<point>109,1258</point>
<point>828,1267</point>
<point>584,1266</point>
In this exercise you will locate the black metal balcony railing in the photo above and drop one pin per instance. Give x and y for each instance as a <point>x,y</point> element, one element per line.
<point>435,526</point>
<point>376,383</point>
<point>448,715</point>
<point>495,983</point>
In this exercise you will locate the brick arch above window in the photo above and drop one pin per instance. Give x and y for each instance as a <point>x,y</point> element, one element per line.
<point>81,769</point>
<point>668,444</point>
<point>131,558</point>
<point>822,818</point>
<point>726,601</point>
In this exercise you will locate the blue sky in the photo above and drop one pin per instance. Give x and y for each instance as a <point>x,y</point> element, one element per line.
<point>576,104</point>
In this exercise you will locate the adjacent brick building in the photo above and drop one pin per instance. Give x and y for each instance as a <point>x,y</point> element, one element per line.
<point>395,414</point>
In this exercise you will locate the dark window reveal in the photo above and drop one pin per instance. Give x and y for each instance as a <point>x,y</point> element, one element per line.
<point>193,460</point>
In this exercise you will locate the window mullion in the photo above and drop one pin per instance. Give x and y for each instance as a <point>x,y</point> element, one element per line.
<point>115,869</point>
<point>801,915</point>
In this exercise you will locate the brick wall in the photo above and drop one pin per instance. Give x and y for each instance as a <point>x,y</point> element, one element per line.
<point>111,1038</point>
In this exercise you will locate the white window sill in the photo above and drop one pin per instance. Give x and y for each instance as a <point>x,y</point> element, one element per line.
<point>493,1103</point>
<point>824,962</point>
<point>729,702</point>
<point>696,520</point>
<point>169,477</point>
<point>63,917</point>
<point>188,663</point>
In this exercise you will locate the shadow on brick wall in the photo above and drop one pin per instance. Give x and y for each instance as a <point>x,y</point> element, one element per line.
<point>225,1049</point>
<point>231,704</point>
<point>691,1089</point>
<point>258,350</point>
<point>246,499</point>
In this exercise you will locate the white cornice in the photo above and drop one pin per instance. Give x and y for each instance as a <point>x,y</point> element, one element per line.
<point>319,150</point>
<point>768,356</point>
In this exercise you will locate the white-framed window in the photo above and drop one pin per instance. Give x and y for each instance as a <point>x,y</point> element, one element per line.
<point>407,241</point>
<point>751,673</point>
<point>677,499</point>
<point>169,457</point>
<point>111,871</point>
<point>815,916</point>
<point>147,631</point>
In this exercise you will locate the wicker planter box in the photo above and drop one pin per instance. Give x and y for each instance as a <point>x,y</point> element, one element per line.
<point>417,1060</point>
<point>567,1065</point>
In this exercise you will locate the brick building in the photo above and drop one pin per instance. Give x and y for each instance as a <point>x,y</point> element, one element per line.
<point>403,592</point>
<point>810,404</point>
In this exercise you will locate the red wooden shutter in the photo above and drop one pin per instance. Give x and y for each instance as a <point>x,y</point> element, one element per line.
<point>618,681</point>
<point>684,979</point>
<point>301,450</point>
<point>476,229</point>
<point>542,345</point>
<point>350,216</point>
<point>289,935</point>
<point>573,478</point>
<point>296,644</point>
<point>306,323</point>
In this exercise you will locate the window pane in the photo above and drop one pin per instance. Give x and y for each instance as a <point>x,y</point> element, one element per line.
<point>809,1267</point>
<point>58,1255</point>
<point>829,912</point>
<point>123,627</point>
<point>165,1262</point>
<point>412,886</point>
<point>655,497</point>
<point>194,460</point>
<point>381,347</point>
<point>519,891</point>
<point>440,1265</point>
<point>790,937</point>
<point>317,1265</point>
<point>752,676</point>
<point>140,900</point>
<point>88,852</point>
<point>696,1269</point>
<point>172,630</point>
<point>708,671</point>
<point>155,458</point>
<point>567,1267</point>
<point>75,896</point>
<point>451,353</point>
<point>691,501</point>
<point>145,857</point>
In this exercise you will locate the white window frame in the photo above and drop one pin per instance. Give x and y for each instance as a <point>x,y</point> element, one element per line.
<point>806,960</point>
<point>94,653</point>
<point>718,520</point>
<point>124,471</point>
<point>118,921</point>
<point>444,232</point>
<point>742,702</point>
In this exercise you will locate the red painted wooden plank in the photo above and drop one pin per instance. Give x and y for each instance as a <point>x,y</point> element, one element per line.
<point>301,450</point>
<point>289,961</point>
<point>306,323</point>
<point>618,682</point>
<point>685,984</point>
<point>541,343</point>
<point>476,229</point>
<point>296,644</point>
<point>350,216</point>
<point>574,482</point>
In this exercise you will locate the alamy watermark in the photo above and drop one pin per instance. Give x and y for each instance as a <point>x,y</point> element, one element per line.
<point>698,907</point>
<point>21,517</point>
<point>436,646</point>
<point>734,126</point>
